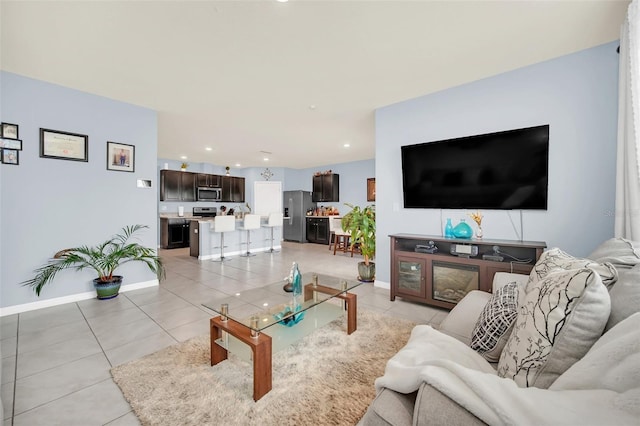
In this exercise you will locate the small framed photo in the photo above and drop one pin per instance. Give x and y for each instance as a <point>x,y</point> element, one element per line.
<point>11,144</point>
<point>371,189</point>
<point>121,157</point>
<point>10,156</point>
<point>9,131</point>
<point>64,145</point>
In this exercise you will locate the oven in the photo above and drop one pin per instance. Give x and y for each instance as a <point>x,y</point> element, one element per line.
<point>209,194</point>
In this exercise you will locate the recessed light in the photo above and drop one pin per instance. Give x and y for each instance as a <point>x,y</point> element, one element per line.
<point>237,164</point>
<point>266,158</point>
<point>282,1</point>
<point>312,107</point>
<point>208,148</point>
<point>183,157</point>
<point>347,145</point>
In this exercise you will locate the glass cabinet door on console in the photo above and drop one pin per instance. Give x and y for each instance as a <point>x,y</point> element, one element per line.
<point>410,277</point>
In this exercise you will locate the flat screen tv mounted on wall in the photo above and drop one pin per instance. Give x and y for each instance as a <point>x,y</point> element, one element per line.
<point>503,170</point>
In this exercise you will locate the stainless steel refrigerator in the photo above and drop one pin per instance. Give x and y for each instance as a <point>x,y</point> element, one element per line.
<point>296,204</point>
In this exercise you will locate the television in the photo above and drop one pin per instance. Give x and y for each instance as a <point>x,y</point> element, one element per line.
<point>502,171</point>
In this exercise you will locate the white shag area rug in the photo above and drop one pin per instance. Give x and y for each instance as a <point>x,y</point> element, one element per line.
<point>324,379</point>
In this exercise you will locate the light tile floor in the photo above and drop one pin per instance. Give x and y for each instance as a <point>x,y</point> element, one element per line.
<point>56,361</point>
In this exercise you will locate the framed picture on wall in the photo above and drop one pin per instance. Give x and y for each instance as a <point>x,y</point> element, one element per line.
<point>10,156</point>
<point>11,144</point>
<point>371,189</point>
<point>120,157</point>
<point>9,131</point>
<point>64,145</point>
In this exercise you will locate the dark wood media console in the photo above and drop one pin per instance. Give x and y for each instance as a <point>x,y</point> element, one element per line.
<point>435,276</point>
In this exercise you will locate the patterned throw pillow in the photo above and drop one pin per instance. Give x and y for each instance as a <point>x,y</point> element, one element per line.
<point>559,318</point>
<point>556,260</point>
<point>494,325</point>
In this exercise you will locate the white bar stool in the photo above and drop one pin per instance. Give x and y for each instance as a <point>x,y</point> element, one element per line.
<point>275,220</point>
<point>223,224</point>
<point>332,230</point>
<point>251,222</point>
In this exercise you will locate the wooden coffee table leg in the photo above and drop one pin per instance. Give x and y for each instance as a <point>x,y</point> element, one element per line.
<point>260,346</point>
<point>262,380</point>
<point>352,311</point>
<point>218,353</point>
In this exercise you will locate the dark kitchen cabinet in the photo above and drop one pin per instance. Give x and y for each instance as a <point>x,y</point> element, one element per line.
<point>177,186</point>
<point>233,189</point>
<point>174,233</point>
<point>326,188</point>
<point>318,230</point>
<point>204,180</point>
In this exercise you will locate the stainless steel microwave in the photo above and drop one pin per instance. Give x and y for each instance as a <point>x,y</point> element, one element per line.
<point>209,194</point>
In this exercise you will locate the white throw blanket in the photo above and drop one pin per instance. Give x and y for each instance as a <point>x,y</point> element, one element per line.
<point>603,388</point>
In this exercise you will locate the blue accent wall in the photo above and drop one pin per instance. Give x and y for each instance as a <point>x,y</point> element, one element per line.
<point>51,204</point>
<point>577,95</point>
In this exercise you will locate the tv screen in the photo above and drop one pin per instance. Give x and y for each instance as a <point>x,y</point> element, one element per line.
<point>502,170</point>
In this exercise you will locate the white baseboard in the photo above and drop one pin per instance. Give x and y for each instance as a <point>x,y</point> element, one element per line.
<point>382,284</point>
<point>26,307</point>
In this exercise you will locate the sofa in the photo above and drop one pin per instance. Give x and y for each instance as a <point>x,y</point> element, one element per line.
<point>558,346</point>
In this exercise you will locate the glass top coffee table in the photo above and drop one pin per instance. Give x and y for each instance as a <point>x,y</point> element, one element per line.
<point>282,323</point>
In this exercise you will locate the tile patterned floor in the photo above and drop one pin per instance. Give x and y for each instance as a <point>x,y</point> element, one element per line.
<point>60,375</point>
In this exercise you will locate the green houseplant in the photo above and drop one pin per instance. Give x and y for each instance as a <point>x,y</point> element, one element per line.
<point>104,259</point>
<point>361,224</point>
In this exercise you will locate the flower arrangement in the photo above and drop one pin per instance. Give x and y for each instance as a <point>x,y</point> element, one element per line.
<point>477,218</point>
<point>184,165</point>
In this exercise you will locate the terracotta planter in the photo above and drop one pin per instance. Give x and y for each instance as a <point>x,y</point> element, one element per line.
<point>109,289</point>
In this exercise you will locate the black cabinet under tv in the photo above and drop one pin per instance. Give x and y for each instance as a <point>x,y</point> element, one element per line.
<point>439,278</point>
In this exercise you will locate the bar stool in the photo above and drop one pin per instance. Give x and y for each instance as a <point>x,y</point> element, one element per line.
<point>332,231</point>
<point>223,224</point>
<point>341,240</point>
<point>251,222</point>
<point>275,220</point>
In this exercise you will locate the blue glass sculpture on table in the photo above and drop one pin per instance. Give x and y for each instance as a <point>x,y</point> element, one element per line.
<point>295,279</point>
<point>462,230</point>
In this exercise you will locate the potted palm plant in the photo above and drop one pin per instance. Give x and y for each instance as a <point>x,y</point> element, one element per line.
<point>104,259</point>
<point>361,224</point>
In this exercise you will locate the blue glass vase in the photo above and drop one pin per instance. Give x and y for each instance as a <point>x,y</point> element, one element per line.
<point>448,229</point>
<point>462,230</point>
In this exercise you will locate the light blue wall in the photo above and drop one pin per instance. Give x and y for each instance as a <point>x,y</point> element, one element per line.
<point>49,204</point>
<point>575,94</point>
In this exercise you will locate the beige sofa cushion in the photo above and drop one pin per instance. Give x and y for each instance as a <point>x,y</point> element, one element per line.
<point>621,253</point>
<point>625,296</point>
<point>459,323</point>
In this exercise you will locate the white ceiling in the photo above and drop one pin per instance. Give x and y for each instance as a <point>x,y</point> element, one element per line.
<point>240,76</point>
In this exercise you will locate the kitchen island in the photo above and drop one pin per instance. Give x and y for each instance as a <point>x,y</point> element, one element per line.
<point>205,244</point>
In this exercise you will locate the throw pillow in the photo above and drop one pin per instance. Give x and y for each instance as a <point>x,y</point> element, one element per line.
<point>559,318</point>
<point>495,322</point>
<point>557,260</point>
